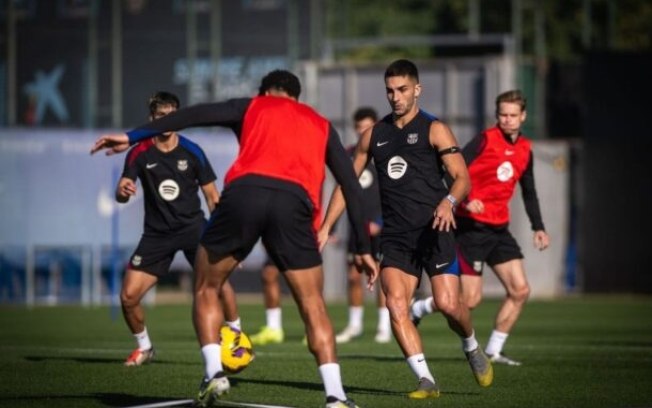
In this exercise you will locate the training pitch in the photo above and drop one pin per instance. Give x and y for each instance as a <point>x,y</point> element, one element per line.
<point>577,352</point>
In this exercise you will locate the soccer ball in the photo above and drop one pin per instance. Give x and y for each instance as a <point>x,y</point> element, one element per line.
<point>237,351</point>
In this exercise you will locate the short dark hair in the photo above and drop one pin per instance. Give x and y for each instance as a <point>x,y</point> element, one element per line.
<point>513,96</point>
<point>162,98</point>
<point>365,112</point>
<point>402,67</point>
<point>281,80</point>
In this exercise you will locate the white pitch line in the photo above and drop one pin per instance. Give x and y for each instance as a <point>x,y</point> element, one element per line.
<point>172,403</point>
<point>175,403</point>
<point>245,404</point>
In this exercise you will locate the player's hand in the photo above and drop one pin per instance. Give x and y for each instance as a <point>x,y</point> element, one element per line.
<point>113,142</point>
<point>541,240</point>
<point>323,238</point>
<point>475,206</point>
<point>374,229</point>
<point>367,264</point>
<point>444,218</point>
<point>126,188</point>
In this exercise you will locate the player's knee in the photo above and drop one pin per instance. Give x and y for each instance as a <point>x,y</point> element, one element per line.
<point>129,298</point>
<point>397,306</point>
<point>447,305</point>
<point>473,301</point>
<point>520,294</point>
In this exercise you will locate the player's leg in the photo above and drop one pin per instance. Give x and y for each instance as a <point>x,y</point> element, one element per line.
<point>306,286</point>
<point>384,328</point>
<point>446,291</point>
<point>512,276</point>
<point>399,287</point>
<point>134,286</point>
<point>228,238</point>
<point>230,305</point>
<point>207,315</point>
<point>355,297</point>
<point>272,332</point>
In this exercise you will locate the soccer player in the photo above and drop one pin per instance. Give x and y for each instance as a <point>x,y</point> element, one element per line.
<point>498,158</point>
<point>272,191</point>
<point>170,168</point>
<point>409,148</point>
<point>272,332</point>
<point>363,119</point>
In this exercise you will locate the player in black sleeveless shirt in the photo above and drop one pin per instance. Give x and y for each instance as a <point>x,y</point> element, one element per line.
<point>410,149</point>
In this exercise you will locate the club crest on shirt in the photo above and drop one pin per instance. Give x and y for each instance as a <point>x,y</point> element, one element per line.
<point>182,165</point>
<point>412,138</point>
<point>136,260</point>
<point>505,171</point>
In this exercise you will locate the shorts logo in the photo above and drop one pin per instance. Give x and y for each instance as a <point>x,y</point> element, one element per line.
<point>366,179</point>
<point>136,260</point>
<point>396,167</point>
<point>477,266</point>
<point>505,171</point>
<point>182,165</point>
<point>168,190</point>
<point>412,138</point>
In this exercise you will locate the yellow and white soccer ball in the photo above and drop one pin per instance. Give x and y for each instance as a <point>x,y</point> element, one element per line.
<point>237,351</point>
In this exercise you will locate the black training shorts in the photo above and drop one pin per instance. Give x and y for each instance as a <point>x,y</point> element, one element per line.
<point>156,250</point>
<point>281,218</point>
<point>420,250</point>
<point>478,243</point>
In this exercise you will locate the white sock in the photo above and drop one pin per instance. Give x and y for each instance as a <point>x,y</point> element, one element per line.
<point>496,342</point>
<point>383,320</point>
<point>356,313</point>
<point>274,318</point>
<point>419,367</point>
<point>144,343</point>
<point>422,307</point>
<point>469,343</point>
<point>212,354</point>
<point>330,375</point>
<point>234,324</point>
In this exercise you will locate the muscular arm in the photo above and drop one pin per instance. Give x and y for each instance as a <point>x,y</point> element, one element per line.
<point>337,202</point>
<point>443,139</point>
<point>226,113</point>
<point>530,198</point>
<point>348,192</point>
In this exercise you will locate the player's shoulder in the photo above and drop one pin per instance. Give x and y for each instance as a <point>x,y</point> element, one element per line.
<point>139,149</point>
<point>193,148</point>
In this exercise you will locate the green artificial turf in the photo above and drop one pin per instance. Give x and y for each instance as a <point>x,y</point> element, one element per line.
<point>578,352</point>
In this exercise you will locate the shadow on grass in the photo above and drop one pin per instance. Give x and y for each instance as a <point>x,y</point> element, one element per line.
<point>123,400</point>
<point>97,360</point>
<point>105,399</point>
<point>398,358</point>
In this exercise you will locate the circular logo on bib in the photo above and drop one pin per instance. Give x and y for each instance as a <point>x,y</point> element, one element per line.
<point>396,167</point>
<point>366,179</point>
<point>505,171</point>
<point>169,190</point>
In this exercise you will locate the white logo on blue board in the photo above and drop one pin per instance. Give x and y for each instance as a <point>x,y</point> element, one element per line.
<point>45,90</point>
